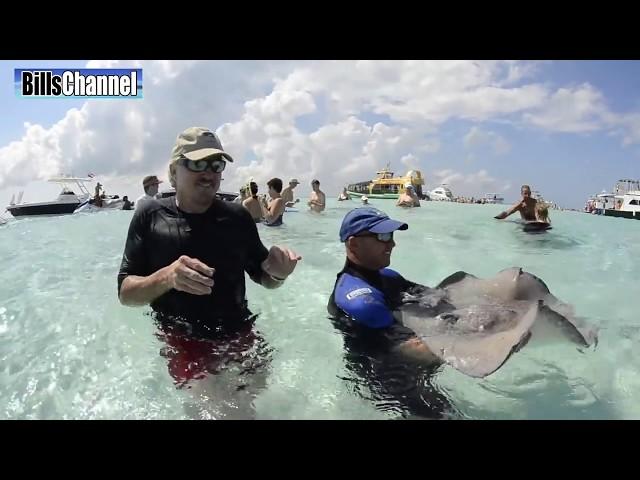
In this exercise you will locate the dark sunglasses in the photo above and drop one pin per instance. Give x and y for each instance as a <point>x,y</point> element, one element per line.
<point>381,237</point>
<point>216,164</point>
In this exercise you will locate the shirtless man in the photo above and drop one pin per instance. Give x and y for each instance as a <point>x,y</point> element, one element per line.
<point>287,193</point>
<point>252,203</point>
<point>526,206</point>
<point>317,199</point>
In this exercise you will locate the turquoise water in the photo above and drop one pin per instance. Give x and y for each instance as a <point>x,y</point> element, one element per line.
<point>68,349</point>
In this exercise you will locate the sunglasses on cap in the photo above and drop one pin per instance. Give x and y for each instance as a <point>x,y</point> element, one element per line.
<point>381,237</point>
<point>216,164</point>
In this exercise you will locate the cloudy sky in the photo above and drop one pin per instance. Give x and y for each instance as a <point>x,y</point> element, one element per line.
<point>567,128</point>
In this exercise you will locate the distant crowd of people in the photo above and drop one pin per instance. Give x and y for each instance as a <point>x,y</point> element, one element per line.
<point>270,211</point>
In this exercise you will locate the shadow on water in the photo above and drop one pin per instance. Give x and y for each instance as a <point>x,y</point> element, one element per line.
<point>553,239</point>
<point>393,385</point>
<point>398,388</point>
<point>546,393</point>
<point>401,388</point>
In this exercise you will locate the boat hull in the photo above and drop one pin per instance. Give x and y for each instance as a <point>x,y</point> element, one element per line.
<point>622,214</point>
<point>387,196</point>
<point>36,210</point>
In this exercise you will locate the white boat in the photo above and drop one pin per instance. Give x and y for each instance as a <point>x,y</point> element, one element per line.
<point>602,202</point>
<point>494,198</point>
<point>108,203</point>
<point>629,208</point>
<point>441,193</point>
<point>623,202</point>
<point>66,203</point>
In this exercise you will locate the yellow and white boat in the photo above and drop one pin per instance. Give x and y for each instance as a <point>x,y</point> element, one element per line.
<point>385,185</point>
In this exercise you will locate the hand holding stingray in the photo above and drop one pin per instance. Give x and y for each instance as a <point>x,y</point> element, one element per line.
<point>476,324</point>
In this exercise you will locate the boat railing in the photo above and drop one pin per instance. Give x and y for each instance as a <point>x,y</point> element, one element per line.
<point>80,182</point>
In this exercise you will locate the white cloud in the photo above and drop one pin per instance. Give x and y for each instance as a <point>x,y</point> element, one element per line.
<point>135,137</point>
<point>255,107</point>
<point>410,161</point>
<point>426,92</point>
<point>580,109</point>
<point>337,153</point>
<point>478,137</point>
<point>518,71</point>
<point>470,184</point>
<point>631,126</point>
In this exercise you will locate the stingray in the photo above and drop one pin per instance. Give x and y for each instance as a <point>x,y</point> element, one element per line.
<point>475,324</point>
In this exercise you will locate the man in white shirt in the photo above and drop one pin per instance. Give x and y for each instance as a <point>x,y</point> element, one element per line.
<point>150,184</point>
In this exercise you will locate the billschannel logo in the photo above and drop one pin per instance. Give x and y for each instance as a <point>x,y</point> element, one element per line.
<point>82,83</point>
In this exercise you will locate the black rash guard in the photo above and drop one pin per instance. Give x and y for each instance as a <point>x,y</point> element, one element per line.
<point>224,237</point>
<point>361,308</point>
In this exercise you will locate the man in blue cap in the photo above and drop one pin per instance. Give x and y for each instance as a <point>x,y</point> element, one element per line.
<point>362,303</point>
<point>366,290</point>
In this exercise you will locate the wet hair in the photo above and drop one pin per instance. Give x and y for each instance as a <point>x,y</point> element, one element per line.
<point>253,186</point>
<point>125,198</point>
<point>276,184</point>
<point>313,182</point>
<point>525,186</point>
<point>542,211</point>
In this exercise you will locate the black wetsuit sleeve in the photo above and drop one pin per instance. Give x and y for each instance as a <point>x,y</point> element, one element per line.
<point>134,260</point>
<point>397,283</point>
<point>256,251</point>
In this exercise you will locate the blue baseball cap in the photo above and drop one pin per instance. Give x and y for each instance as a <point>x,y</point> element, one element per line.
<point>368,219</point>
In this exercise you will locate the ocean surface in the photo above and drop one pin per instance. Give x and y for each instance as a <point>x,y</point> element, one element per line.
<point>69,350</point>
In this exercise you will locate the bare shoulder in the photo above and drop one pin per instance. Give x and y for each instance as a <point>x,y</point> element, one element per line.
<point>278,203</point>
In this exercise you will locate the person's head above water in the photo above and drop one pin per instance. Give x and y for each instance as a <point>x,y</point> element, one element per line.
<point>275,186</point>
<point>525,191</point>
<point>542,212</point>
<point>253,187</point>
<point>150,184</point>
<point>195,168</point>
<point>368,237</point>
